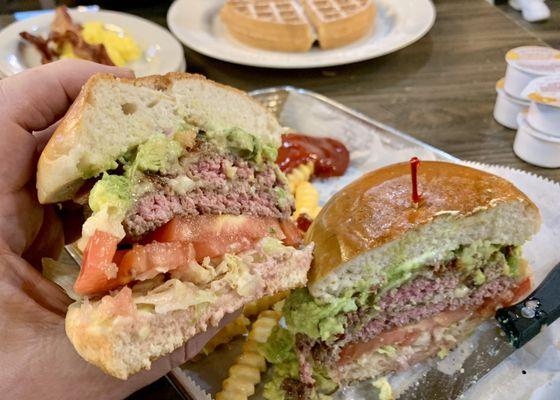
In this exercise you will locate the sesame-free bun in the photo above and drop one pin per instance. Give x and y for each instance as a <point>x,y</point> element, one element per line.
<point>372,224</point>
<point>112,115</point>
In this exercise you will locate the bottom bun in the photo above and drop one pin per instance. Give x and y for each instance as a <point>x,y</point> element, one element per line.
<point>125,331</point>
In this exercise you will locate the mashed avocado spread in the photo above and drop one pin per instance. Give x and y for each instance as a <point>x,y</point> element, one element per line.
<point>111,191</point>
<point>158,154</point>
<point>243,144</point>
<point>161,154</point>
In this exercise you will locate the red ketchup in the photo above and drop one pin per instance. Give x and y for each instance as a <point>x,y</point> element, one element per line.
<point>330,157</point>
<point>303,222</point>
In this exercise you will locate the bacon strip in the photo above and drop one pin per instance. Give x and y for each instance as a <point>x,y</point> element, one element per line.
<point>41,45</point>
<point>63,29</point>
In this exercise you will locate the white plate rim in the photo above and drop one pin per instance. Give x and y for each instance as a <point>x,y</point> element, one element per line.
<point>308,63</point>
<point>10,33</point>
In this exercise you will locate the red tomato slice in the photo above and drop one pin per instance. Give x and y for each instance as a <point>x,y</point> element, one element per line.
<point>139,263</point>
<point>174,246</point>
<point>402,336</point>
<point>294,236</point>
<point>216,235</point>
<point>505,298</point>
<point>521,290</point>
<point>145,262</point>
<point>98,257</point>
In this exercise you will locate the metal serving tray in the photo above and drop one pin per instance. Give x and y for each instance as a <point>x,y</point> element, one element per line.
<point>371,144</point>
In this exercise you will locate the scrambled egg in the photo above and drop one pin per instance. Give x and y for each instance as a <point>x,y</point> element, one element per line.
<point>121,48</point>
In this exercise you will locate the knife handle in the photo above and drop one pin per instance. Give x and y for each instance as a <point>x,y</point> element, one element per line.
<point>523,321</point>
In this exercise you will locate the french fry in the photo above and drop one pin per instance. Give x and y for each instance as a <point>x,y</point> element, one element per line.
<point>245,374</point>
<point>256,307</point>
<point>237,327</point>
<point>300,174</point>
<point>307,200</point>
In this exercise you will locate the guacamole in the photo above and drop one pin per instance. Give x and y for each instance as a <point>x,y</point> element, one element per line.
<point>111,191</point>
<point>158,154</point>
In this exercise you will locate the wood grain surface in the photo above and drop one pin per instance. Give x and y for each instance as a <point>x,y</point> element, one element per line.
<point>440,89</point>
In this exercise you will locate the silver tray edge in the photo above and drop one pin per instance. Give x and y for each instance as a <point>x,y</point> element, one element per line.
<point>354,113</point>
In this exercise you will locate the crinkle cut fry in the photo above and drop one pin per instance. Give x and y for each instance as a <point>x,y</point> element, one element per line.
<point>245,374</point>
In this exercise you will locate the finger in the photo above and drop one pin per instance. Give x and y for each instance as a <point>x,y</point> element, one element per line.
<point>36,98</point>
<point>43,136</point>
<point>18,156</point>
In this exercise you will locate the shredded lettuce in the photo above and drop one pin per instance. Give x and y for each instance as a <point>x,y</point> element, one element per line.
<point>390,351</point>
<point>240,276</point>
<point>273,388</point>
<point>279,347</point>
<point>175,295</point>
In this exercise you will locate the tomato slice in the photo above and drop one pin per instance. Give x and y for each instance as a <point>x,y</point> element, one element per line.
<point>408,334</point>
<point>97,261</point>
<point>521,290</point>
<point>216,235</point>
<point>402,336</point>
<point>505,298</point>
<point>146,261</point>
<point>140,263</point>
<point>173,247</point>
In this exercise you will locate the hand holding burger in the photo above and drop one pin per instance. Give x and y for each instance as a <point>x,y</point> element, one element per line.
<point>37,359</point>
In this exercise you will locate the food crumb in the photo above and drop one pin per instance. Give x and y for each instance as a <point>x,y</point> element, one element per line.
<point>385,390</point>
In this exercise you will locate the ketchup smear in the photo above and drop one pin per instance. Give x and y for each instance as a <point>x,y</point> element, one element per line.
<point>330,157</point>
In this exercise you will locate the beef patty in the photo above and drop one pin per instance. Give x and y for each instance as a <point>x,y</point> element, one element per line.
<point>222,184</point>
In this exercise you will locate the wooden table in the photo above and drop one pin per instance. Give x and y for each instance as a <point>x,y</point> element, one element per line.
<point>440,90</point>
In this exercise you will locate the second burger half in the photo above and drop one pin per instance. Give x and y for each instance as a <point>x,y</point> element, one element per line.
<point>394,282</point>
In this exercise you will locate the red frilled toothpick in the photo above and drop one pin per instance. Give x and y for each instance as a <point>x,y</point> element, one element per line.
<point>416,197</point>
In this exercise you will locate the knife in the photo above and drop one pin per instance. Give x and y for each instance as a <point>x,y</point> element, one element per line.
<point>516,325</point>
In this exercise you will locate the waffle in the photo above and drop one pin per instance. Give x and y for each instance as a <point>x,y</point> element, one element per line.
<point>292,25</point>
<point>340,22</point>
<point>279,25</point>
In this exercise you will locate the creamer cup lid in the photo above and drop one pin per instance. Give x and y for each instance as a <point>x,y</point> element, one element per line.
<point>538,60</point>
<point>500,88</point>
<point>544,90</point>
<point>500,84</point>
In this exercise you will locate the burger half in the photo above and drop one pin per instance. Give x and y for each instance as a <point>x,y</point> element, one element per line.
<point>187,213</point>
<point>393,283</point>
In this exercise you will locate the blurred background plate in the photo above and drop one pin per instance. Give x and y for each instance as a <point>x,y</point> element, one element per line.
<point>162,53</point>
<point>398,24</point>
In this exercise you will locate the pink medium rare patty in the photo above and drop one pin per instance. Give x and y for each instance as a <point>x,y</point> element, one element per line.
<point>225,184</point>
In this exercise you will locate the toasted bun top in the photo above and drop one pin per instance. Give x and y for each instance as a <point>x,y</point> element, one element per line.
<point>112,115</point>
<point>377,209</point>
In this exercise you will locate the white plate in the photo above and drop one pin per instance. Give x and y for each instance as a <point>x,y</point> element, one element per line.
<point>398,24</point>
<point>162,53</point>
